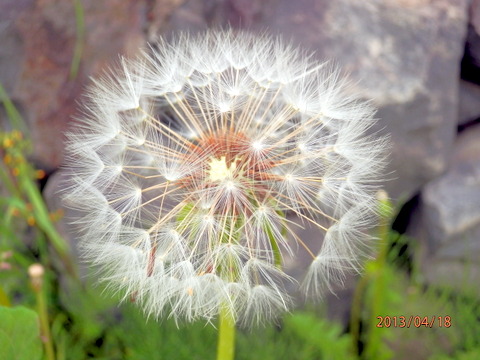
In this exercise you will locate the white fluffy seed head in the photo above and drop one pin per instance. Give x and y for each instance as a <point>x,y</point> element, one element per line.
<point>189,159</point>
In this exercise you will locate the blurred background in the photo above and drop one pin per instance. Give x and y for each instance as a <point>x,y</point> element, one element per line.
<point>419,60</point>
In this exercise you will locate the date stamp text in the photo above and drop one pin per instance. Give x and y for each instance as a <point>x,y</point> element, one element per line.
<point>414,321</point>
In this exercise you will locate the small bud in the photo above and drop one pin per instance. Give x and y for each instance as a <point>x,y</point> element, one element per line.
<point>5,266</point>
<point>31,221</point>
<point>7,159</point>
<point>385,206</point>
<point>40,174</point>
<point>56,215</point>
<point>7,143</point>
<point>36,272</point>
<point>382,195</point>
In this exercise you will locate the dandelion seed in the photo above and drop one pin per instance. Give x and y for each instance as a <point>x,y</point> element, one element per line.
<point>189,159</point>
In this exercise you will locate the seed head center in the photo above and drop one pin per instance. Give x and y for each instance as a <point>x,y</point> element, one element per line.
<point>219,170</point>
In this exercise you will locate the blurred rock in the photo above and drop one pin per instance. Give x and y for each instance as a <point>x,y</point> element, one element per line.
<point>452,201</point>
<point>460,275</point>
<point>469,102</point>
<point>158,16</point>
<point>449,228</point>
<point>475,15</point>
<point>471,60</point>
<point>475,18</point>
<point>11,54</point>
<point>38,40</point>
<point>196,15</point>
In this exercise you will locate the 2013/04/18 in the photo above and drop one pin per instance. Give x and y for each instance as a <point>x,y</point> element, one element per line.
<point>414,320</point>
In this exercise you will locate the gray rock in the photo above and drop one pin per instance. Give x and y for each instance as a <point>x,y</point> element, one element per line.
<point>158,16</point>
<point>11,51</point>
<point>196,15</point>
<point>38,40</point>
<point>475,15</point>
<point>460,275</point>
<point>449,226</point>
<point>452,201</point>
<point>11,54</point>
<point>472,54</point>
<point>469,102</point>
<point>472,49</point>
<point>473,39</point>
<point>452,211</point>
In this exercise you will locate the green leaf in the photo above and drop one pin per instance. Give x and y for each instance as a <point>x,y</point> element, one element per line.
<point>19,334</point>
<point>4,300</point>
<point>321,337</point>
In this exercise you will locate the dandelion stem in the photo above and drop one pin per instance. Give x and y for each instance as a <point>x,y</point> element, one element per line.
<point>80,38</point>
<point>277,256</point>
<point>36,272</point>
<point>44,222</point>
<point>45,328</point>
<point>226,335</point>
<point>355,317</point>
<point>373,278</point>
<point>377,304</point>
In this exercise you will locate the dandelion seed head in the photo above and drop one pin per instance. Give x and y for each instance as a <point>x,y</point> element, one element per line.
<point>191,159</point>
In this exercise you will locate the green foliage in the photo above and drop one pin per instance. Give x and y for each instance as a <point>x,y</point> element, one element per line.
<point>462,355</point>
<point>19,334</point>
<point>99,329</point>
<point>23,198</point>
<point>302,335</point>
<point>324,339</point>
<point>149,339</point>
